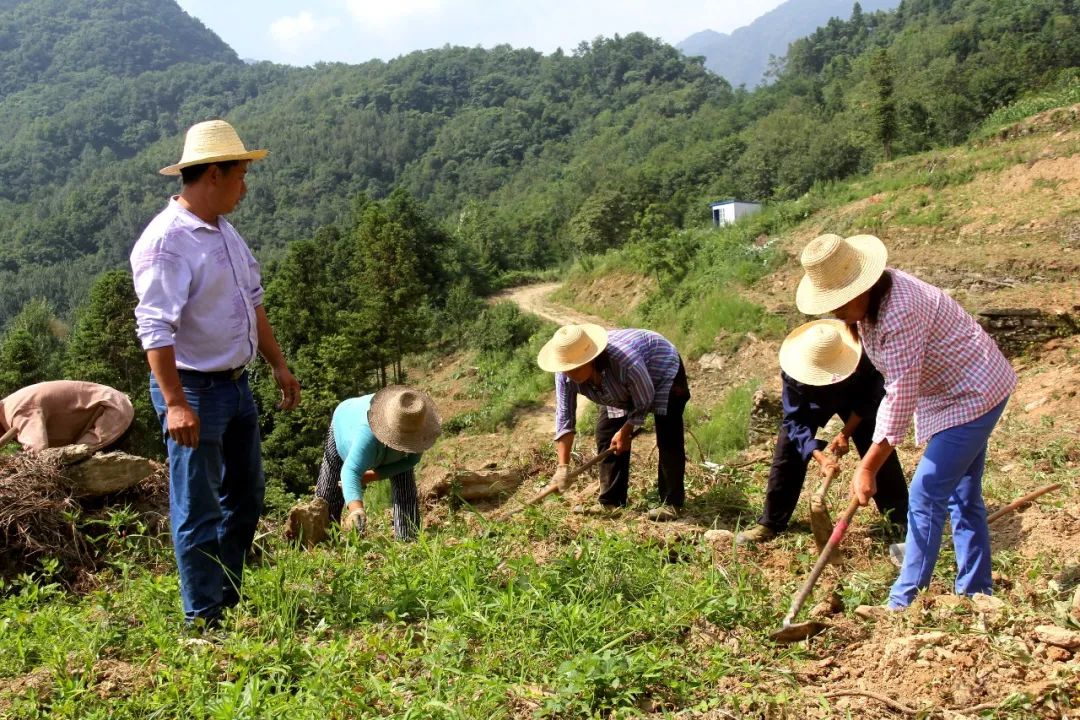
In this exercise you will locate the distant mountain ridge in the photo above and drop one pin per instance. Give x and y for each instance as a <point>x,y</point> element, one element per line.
<point>49,40</point>
<point>742,57</point>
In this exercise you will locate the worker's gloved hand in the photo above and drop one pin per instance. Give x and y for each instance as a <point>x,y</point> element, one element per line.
<point>354,521</point>
<point>561,478</point>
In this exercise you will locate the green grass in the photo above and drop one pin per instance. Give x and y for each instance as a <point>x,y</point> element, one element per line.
<point>479,618</point>
<point>1067,92</point>
<point>721,431</point>
<point>462,623</point>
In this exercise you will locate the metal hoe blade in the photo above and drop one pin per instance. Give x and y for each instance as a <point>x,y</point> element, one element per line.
<point>794,632</point>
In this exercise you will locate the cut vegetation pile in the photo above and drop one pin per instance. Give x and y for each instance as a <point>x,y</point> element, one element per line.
<point>42,523</point>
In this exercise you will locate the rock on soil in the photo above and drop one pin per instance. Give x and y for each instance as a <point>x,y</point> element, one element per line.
<point>107,473</point>
<point>472,485</point>
<point>1057,636</point>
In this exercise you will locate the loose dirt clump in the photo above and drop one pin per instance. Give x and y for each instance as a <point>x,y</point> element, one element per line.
<point>944,673</point>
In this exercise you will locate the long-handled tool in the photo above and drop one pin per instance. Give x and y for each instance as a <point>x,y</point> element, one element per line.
<point>820,522</point>
<point>554,487</point>
<point>1022,501</point>
<point>792,631</point>
<point>8,436</point>
<point>896,550</point>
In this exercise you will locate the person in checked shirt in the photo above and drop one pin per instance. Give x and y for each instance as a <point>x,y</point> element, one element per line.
<point>201,321</point>
<point>628,373</point>
<point>940,366</point>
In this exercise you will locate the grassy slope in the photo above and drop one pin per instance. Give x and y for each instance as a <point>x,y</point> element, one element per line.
<point>555,614</point>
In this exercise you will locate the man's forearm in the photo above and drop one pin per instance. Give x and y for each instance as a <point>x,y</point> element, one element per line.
<point>852,422</point>
<point>268,345</point>
<point>563,446</point>
<point>163,364</point>
<point>877,455</point>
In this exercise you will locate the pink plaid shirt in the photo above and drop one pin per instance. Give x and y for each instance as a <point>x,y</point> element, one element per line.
<point>938,363</point>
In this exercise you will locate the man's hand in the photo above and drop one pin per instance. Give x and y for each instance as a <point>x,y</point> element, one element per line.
<point>368,477</point>
<point>863,485</point>
<point>827,463</point>
<point>290,387</point>
<point>355,521</point>
<point>621,440</point>
<point>183,425</point>
<point>839,445</point>
<point>561,478</point>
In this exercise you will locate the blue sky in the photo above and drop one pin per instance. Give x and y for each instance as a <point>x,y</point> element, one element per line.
<point>310,31</point>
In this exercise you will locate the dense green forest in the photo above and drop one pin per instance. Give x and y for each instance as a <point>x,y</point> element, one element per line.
<point>449,171</point>
<point>561,152</point>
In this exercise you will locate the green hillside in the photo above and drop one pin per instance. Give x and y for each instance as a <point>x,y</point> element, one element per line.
<point>397,196</point>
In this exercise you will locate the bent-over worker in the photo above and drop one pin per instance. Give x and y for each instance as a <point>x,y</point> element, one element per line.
<point>627,373</point>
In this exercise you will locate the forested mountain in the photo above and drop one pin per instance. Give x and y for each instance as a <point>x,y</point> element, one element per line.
<point>539,157</point>
<point>45,41</point>
<point>742,58</point>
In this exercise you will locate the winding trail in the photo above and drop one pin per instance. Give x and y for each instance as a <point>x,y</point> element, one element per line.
<point>535,299</point>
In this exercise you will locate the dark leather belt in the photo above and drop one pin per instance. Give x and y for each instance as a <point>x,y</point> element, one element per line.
<point>234,374</point>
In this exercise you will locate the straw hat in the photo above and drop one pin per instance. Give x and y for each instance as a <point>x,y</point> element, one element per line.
<point>821,352</point>
<point>571,347</point>
<point>404,418</point>
<point>209,142</point>
<point>838,270</point>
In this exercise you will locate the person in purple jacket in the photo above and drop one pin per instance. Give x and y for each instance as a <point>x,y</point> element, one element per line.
<point>628,373</point>
<point>201,322</point>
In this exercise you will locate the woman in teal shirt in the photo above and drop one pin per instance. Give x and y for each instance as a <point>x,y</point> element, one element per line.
<point>374,437</point>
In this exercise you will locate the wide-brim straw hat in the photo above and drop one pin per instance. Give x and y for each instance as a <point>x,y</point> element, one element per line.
<point>571,347</point>
<point>404,419</point>
<point>838,270</point>
<point>821,352</point>
<point>210,142</point>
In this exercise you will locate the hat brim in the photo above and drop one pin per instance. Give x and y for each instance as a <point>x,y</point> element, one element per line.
<point>250,155</point>
<point>549,362</point>
<point>797,364</point>
<point>410,442</point>
<point>812,300</point>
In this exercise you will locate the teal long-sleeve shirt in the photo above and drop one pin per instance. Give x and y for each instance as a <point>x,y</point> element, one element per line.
<point>361,451</point>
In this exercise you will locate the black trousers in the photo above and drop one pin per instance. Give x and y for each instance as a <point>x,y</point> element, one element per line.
<point>402,492</point>
<point>671,472</point>
<point>788,473</point>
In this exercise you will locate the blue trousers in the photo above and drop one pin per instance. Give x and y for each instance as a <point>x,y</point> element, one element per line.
<point>948,482</point>
<point>215,490</point>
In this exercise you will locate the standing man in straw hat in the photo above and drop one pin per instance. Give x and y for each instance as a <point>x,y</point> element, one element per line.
<point>374,437</point>
<point>824,373</point>
<point>628,373</point>
<point>938,365</point>
<point>201,321</point>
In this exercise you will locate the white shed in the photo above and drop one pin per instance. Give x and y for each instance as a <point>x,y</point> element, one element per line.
<point>725,212</point>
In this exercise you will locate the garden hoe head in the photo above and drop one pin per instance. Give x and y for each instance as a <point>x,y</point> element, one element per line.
<point>791,631</point>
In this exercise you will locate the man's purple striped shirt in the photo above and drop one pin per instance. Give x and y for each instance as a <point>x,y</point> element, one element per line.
<point>641,366</point>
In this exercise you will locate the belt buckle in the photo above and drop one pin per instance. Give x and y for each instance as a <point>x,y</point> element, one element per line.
<point>237,373</point>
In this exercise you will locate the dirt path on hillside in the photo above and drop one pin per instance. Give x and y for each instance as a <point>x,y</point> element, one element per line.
<point>536,299</point>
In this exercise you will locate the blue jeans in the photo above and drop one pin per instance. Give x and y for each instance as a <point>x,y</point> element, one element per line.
<point>215,490</point>
<point>948,480</point>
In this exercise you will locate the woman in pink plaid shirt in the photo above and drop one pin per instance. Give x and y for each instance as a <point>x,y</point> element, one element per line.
<point>940,366</point>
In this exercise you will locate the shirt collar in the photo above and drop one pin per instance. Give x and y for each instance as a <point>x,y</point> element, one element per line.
<point>188,219</point>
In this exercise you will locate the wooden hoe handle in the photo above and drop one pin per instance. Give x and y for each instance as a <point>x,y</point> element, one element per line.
<point>823,560</point>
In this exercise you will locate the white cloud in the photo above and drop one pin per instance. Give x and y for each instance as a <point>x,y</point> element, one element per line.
<point>295,33</point>
<point>385,14</point>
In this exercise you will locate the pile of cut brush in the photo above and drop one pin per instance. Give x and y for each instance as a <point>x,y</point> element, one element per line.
<point>42,517</point>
